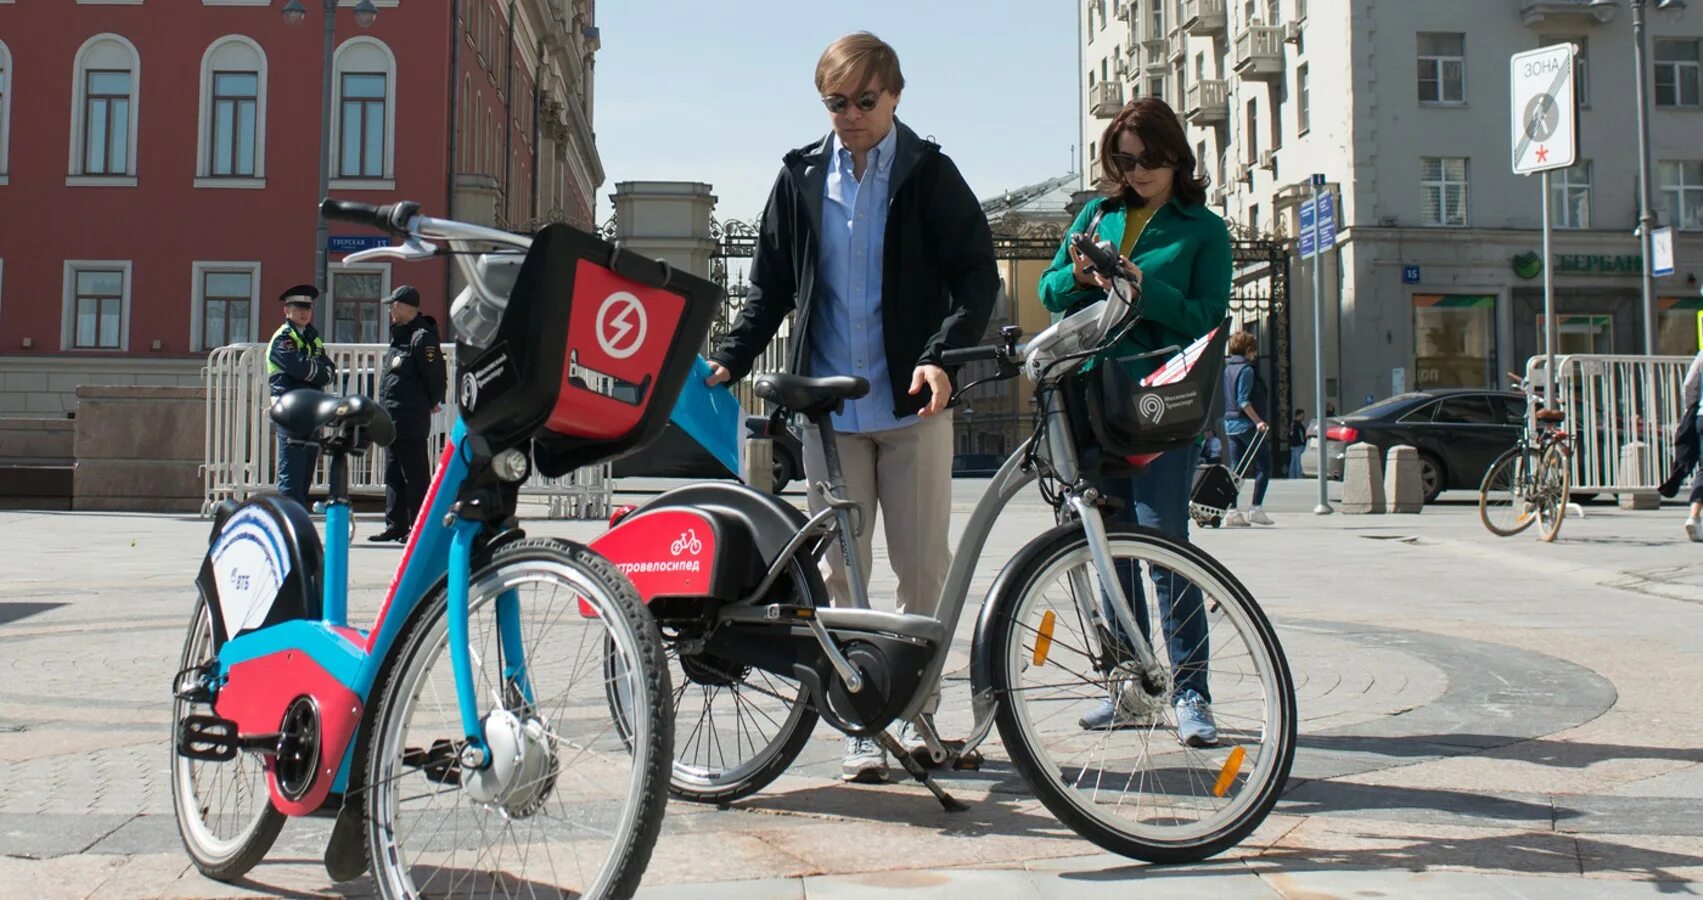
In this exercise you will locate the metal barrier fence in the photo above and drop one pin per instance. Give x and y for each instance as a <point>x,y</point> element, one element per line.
<point>242,451</point>
<point>1613,402</point>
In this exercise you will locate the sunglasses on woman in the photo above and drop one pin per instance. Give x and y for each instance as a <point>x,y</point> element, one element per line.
<point>1150,161</point>
<point>865,101</point>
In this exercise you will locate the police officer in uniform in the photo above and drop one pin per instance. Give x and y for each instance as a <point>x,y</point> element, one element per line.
<point>412,390</point>
<point>297,360</point>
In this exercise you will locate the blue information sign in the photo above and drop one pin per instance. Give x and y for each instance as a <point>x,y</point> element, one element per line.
<point>349,243</point>
<point>1307,229</point>
<point>1409,274</point>
<point>1327,221</point>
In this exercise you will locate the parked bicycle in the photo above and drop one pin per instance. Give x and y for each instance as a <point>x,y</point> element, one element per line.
<point>462,740</point>
<point>758,657</point>
<point>1528,483</point>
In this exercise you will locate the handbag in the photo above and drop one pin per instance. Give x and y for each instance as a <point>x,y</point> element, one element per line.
<point>1134,420</point>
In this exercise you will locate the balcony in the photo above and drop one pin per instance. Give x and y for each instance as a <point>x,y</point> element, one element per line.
<point>1550,12</point>
<point>1153,55</point>
<point>1204,17</point>
<point>1105,99</point>
<point>1208,103</point>
<point>1259,52</point>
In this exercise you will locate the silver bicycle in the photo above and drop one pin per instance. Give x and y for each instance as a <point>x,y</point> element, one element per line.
<point>1062,663</point>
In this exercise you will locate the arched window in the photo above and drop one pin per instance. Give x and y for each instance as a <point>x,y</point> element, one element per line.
<point>5,109</point>
<point>108,73</point>
<point>364,125</point>
<point>232,141</point>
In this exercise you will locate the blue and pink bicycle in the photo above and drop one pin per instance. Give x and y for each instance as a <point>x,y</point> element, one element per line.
<point>504,725</point>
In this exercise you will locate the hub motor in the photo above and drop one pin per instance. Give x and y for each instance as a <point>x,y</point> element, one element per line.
<point>522,770</point>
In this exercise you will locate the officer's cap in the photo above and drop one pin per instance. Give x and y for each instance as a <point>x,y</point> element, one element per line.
<point>300,295</point>
<point>405,294</point>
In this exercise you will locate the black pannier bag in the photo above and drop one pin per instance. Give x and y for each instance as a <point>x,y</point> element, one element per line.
<point>1134,422</point>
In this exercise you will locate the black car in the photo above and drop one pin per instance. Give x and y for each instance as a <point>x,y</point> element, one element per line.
<point>976,465</point>
<point>1458,432</point>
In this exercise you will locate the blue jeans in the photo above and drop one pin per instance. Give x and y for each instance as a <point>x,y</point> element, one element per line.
<point>1159,499</point>
<point>1295,454</point>
<point>1238,446</point>
<point>295,468</point>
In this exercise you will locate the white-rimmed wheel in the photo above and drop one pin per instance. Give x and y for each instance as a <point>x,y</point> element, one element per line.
<point>569,802</point>
<point>224,811</point>
<point>1129,782</point>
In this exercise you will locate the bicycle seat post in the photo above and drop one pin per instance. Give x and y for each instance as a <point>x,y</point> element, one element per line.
<point>334,591</point>
<point>836,490</point>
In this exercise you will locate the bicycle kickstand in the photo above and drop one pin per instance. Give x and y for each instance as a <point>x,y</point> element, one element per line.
<point>920,774</point>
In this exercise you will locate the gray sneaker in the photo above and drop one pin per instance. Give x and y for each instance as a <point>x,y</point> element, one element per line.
<point>1194,720</point>
<point>865,761</point>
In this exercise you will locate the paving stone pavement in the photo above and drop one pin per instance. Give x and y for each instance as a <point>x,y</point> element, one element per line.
<point>1479,717</point>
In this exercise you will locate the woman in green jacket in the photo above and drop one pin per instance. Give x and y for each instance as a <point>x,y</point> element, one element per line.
<point>1178,251</point>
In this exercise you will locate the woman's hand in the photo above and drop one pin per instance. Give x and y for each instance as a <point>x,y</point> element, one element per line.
<point>1087,277</point>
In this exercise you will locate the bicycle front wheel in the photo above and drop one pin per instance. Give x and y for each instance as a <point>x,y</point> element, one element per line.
<point>1505,496</point>
<point>572,800</point>
<point>1109,757</point>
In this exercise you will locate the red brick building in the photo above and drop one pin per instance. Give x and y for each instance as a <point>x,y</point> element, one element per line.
<point>159,167</point>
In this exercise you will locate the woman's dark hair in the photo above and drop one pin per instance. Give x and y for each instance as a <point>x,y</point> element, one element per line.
<point>1152,120</point>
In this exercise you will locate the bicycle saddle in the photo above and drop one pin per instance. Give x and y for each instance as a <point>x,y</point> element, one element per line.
<point>302,412</point>
<point>1551,415</point>
<point>810,397</point>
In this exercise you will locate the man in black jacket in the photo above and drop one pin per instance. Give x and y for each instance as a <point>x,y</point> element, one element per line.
<point>412,390</point>
<point>874,241</point>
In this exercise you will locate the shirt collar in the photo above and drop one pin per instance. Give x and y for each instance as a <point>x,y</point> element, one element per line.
<point>882,153</point>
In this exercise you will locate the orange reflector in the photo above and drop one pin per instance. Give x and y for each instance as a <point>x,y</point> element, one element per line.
<point>1227,774</point>
<point>1044,638</point>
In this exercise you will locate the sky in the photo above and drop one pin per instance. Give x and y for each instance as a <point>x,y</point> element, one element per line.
<point>717,91</point>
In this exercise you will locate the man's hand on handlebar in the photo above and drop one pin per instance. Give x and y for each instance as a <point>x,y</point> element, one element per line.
<point>938,382</point>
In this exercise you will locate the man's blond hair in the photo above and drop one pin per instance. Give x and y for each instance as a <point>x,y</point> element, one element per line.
<point>864,56</point>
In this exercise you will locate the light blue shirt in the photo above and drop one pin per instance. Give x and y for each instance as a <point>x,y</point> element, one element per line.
<point>846,334</point>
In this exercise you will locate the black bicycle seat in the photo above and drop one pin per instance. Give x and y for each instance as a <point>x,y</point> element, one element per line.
<point>810,397</point>
<point>302,413</point>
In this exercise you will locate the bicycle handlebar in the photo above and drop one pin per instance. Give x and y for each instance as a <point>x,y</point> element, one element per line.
<point>391,217</point>
<point>988,352</point>
<point>1106,263</point>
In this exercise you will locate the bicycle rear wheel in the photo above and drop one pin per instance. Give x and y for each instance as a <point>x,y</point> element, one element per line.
<point>1127,782</point>
<point>1504,497</point>
<point>578,811</point>
<point>224,809</point>
<point>1552,478</point>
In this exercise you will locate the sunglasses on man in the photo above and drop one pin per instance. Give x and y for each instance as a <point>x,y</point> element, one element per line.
<point>865,101</point>
<point>1151,160</point>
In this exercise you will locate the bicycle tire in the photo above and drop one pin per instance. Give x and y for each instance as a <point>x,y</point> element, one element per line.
<point>1047,779</point>
<point>612,600</point>
<point>1555,475</point>
<point>1502,477</point>
<point>220,860</point>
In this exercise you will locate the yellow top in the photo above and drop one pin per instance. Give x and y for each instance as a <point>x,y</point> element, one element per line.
<point>1136,222</point>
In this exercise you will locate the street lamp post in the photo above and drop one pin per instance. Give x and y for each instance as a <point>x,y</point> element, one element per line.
<point>1646,197</point>
<point>294,12</point>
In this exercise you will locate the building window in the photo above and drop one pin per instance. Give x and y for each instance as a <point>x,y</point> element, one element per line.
<point>1682,188</point>
<point>1156,28</point>
<point>103,132</point>
<point>1442,68</point>
<point>1156,87</point>
<point>5,107</point>
<point>1273,12</point>
<point>1570,195</point>
<point>1454,340</point>
<point>365,121</point>
<point>97,297</point>
<point>1252,135</point>
<point>1677,73</point>
<point>1277,115</point>
<point>1100,9</point>
<point>1443,185</point>
<point>226,294</point>
<point>1581,71</point>
<point>1303,99</point>
<point>233,110</point>
<point>355,305</point>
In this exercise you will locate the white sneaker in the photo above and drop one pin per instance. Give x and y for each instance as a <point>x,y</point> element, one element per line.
<point>865,761</point>
<point>1692,530</point>
<point>1258,517</point>
<point>1235,519</point>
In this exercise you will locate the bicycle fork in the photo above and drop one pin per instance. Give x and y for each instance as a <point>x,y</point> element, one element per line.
<point>475,752</point>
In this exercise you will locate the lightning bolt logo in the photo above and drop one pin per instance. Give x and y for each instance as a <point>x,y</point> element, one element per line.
<point>621,325</point>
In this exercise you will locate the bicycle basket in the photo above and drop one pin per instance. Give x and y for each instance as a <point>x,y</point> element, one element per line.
<point>1135,420</point>
<point>590,354</point>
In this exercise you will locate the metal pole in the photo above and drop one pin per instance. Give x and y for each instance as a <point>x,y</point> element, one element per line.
<point>320,233</point>
<point>1646,218</point>
<point>1324,507</point>
<point>1549,325</point>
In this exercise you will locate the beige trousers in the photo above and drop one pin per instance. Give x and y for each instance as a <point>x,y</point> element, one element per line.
<point>906,474</point>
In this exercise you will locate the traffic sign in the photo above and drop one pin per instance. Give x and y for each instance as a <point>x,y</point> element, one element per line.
<point>1545,110</point>
<point>1661,251</point>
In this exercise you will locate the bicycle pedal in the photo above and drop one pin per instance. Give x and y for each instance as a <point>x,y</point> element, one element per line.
<point>441,764</point>
<point>207,738</point>
<point>968,762</point>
